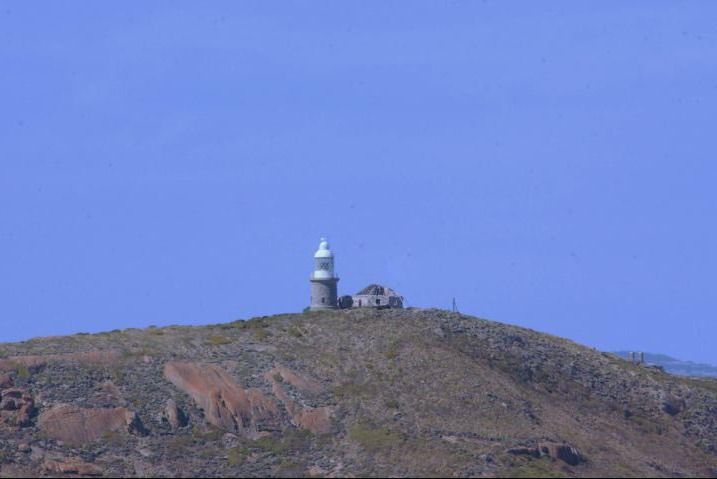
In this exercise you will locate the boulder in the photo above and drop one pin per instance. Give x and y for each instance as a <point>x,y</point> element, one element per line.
<point>70,466</point>
<point>75,425</point>
<point>225,404</point>
<point>672,405</point>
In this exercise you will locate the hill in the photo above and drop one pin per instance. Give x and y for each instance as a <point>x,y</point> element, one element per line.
<point>676,366</point>
<point>346,393</point>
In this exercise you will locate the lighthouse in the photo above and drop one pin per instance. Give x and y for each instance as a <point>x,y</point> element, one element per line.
<point>323,280</point>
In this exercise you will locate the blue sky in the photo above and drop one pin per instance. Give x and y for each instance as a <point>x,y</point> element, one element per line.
<point>548,164</point>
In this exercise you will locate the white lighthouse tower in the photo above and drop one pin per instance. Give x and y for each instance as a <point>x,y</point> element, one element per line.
<point>323,280</point>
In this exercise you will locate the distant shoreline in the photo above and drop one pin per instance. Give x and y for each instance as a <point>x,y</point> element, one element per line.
<point>675,366</point>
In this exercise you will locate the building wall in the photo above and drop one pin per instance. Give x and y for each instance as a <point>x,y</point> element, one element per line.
<point>369,300</point>
<point>326,289</point>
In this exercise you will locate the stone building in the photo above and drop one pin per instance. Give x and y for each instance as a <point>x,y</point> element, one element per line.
<point>377,296</point>
<point>324,291</point>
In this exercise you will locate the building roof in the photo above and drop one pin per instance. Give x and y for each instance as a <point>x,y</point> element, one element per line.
<point>377,290</point>
<point>324,251</point>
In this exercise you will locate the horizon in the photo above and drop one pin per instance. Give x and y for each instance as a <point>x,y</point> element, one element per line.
<point>176,164</point>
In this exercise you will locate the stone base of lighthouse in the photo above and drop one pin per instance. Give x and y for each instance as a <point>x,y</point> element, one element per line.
<point>324,294</point>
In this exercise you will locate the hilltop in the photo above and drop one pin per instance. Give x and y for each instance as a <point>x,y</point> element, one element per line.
<point>346,393</point>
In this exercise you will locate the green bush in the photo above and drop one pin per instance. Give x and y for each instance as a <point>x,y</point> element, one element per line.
<point>373,438</point>
<point>237,455</point>
<point>529,467</point>
<point>22,371</point>
<point>261,334</point>
<point>112,438</point>
<point>392,350</point>
<point>295,331</point>
<point>291,469</point>
<point>256,323</point>
<point>210,434</point>
<point>292,440</point>
<point>178,444</point>
<point>351,390</point>
<point>218,340</point>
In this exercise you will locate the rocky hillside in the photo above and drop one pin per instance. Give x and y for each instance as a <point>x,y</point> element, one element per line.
<point>346,393</point>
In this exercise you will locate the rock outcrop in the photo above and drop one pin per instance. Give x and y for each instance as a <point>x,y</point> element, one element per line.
<point>76,425</point>
<point>225,404</point>
<point>173,415</point>
<point>316,420</point>
<point>301,383</point>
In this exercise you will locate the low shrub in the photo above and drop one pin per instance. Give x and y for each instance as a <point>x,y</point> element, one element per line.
<point>218,340</point>
<point>371,438</point>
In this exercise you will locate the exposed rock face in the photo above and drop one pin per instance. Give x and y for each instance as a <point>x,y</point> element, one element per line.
<point>75,425</point>
<point>316,420</point>
<point>301,383</point>
<point>225,404</point>
<point>228,406</point>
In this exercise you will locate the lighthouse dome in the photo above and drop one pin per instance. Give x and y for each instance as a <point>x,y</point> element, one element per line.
<point>324,251</point>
